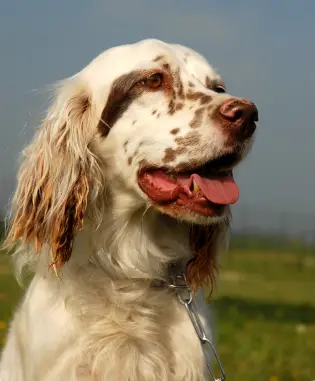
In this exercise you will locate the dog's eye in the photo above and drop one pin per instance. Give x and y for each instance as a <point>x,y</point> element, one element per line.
<point>219,89</point>
<point>153,82</point>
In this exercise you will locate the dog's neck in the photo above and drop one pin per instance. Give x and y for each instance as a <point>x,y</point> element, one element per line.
<point>141,246</point>
<point>132,242</point>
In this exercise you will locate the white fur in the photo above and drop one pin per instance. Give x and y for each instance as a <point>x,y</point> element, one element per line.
<point>102,320</point>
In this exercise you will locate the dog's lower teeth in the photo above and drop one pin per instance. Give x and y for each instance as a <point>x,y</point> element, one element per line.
<point>195,187</point>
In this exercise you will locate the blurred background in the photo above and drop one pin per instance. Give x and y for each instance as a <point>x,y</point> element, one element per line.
<point>265,299</point>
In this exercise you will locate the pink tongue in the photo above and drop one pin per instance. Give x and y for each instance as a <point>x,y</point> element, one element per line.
<point>222,191</point>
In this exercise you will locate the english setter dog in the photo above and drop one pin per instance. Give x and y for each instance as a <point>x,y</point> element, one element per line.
<point>129,176</point>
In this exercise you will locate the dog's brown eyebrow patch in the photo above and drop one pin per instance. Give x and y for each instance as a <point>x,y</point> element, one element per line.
<point>129,160</point>
<point>175,131</point>
<point>197,120</point>
<point>154,112</point>
<point>119,99</point>
<point>190,84</point>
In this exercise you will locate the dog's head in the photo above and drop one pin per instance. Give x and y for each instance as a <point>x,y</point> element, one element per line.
<point>152,117</point>
<point>173,131</point>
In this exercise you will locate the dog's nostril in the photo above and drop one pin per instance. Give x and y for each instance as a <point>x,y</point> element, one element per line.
<point>236,114</point>
<point>239,111</point>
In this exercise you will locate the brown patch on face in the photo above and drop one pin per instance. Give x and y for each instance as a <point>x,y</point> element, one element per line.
<point>154,112</point>
<point>125,145</point>
<point>179,106</point>
<point>195,96</point>
<point>119,99</point>
<point>197,120</point>
<point>178,84</point>
<point>180,150</point>
<point>158,58</point>
<point>171,107</point>
<point>174,131</point>
<point>190,139</point>
<point>190,84</point>
<point>124,91</point>
<point>129,160</point>
<point>181,90</point>
<point>205,99</point>
<point>171,154</point>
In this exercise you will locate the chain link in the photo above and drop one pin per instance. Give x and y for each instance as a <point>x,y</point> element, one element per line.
<point>185,296</point>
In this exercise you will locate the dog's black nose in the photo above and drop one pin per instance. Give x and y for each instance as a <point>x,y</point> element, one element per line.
<point>241,115</point>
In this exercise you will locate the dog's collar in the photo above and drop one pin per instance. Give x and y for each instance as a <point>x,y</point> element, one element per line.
<point>177,281</point>
<point>174,272</point>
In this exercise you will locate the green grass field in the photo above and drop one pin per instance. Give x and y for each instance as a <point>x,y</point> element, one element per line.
<point>265,309</point>
<point>265,313</point>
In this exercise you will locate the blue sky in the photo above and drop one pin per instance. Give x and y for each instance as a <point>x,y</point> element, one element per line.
<point>264,50</point>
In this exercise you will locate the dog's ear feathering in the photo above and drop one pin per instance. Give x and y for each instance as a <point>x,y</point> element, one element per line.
<point>205,243</point>
<point>54,184</point>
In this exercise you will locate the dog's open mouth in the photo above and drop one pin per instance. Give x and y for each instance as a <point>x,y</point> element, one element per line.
<point>205,189</point>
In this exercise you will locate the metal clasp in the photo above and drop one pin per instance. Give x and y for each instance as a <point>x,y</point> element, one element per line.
<point>185,296</point>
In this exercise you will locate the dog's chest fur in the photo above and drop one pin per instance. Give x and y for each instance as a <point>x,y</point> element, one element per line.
<point>148,337</point>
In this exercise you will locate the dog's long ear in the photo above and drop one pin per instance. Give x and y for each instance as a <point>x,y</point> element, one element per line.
<point>205,243</point>
<point>53,187</point>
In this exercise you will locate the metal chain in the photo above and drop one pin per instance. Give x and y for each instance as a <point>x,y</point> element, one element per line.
<point>185,296</point>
